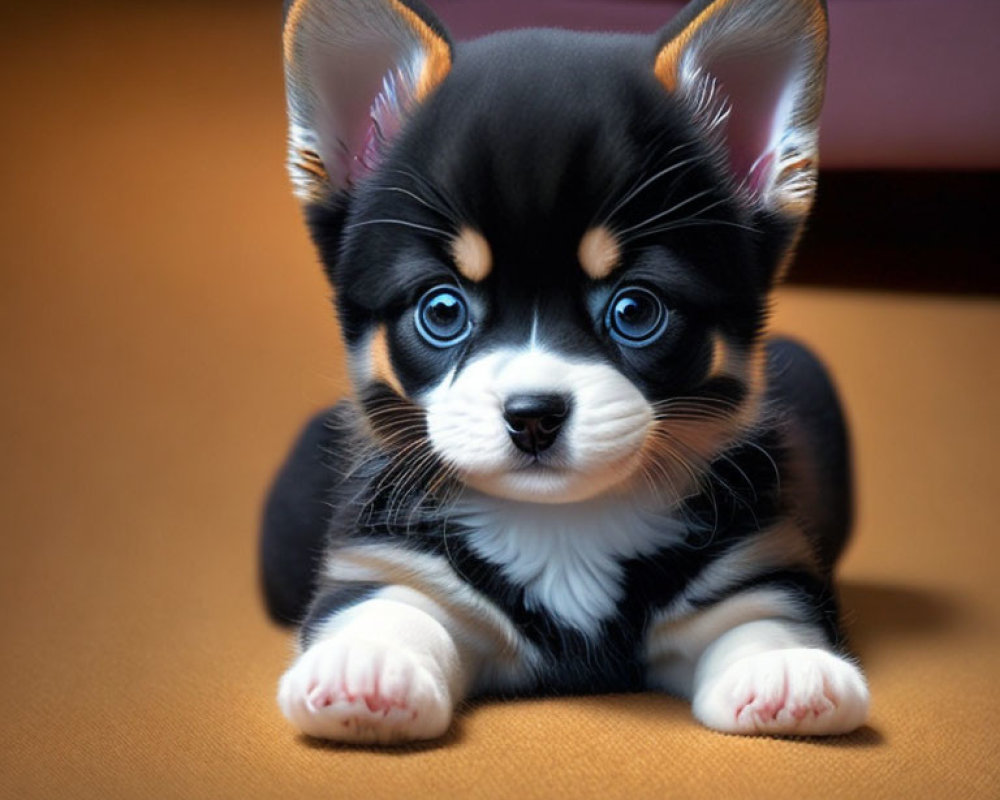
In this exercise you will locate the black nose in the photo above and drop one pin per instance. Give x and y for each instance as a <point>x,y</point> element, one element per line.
<point>534,420</point>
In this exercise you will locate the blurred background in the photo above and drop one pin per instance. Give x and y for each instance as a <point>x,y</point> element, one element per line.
<point>165,328</point>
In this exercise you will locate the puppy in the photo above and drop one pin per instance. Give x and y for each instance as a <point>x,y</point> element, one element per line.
<point>573,461</point>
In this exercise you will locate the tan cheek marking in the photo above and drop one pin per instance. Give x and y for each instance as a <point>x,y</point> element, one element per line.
<point>381,365</point>
<point>679,449</point>
<point>755,375</point>
<point>599,252</point>
<point>472,255</point>
<point>720,356</point>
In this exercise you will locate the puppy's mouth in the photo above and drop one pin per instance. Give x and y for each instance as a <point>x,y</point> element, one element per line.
<point>546,478</point>
<point>541,463</point>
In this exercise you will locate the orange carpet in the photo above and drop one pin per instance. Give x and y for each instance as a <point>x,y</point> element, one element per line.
<point>163,331</point>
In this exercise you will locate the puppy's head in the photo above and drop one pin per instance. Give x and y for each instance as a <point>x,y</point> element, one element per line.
<point>552,251</point>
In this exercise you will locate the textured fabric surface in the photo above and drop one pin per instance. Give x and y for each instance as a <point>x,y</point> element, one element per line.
<point>164,331</point>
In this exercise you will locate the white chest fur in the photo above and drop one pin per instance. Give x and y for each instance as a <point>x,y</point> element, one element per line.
<point>569,558</point>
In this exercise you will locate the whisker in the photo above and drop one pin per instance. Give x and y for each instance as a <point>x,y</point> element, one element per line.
<point>695,401</point>
<point>746,478</point>
<point>691,223</point>
<point>711,472</point>
<point>599,215</point>
<point>429,186</point>
<point>770,458</point>
<point>662,214</point>
<point>401,222</point>
<point>425,203</point>
<point>645,184</point>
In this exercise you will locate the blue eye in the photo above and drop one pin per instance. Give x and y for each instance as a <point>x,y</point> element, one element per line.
<point>635,317</point>
<point>442,317</point>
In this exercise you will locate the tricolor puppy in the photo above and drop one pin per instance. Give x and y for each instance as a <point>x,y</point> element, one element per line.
<point>573,462</point>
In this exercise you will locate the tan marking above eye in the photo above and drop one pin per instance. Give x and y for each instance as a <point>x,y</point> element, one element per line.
<point>599,252</point>
<point>472,254</point>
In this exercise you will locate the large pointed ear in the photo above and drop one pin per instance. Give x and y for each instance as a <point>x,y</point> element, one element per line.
<point>353,70</point>
<point>753,74</point>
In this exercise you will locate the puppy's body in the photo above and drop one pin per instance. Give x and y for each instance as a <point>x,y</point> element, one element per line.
<point>578,581</point>
<point>573,463</point>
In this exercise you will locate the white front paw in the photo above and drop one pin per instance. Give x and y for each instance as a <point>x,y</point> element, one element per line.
<point>797,691</point>
<point>351,689</point>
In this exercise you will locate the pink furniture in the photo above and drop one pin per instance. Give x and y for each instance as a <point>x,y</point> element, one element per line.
<point>913,84</point>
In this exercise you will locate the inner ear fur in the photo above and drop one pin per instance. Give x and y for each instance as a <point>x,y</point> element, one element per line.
<point>353,70</point>
<point>752,73</point>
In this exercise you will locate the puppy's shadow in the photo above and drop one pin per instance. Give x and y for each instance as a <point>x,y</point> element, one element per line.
<point>453,737</point>
<point>882,619</point>
<point>879,618</point>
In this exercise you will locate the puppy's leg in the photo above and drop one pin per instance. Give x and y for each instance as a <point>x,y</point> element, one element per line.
<point>297,515</point>
<point>381,669</point>
<point>775,677</point>
<point>817,438</point>
<point>750,667</point>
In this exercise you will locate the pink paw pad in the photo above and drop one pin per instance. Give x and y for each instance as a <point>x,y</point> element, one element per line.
<point>377,702</point>
<point>366,695</point>
<point>318,698</point>
<point>798,691</point>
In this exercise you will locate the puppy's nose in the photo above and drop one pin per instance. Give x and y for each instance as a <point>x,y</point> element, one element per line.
<point>534,420</point>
